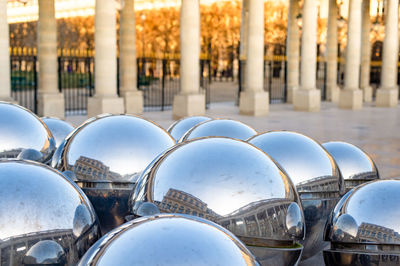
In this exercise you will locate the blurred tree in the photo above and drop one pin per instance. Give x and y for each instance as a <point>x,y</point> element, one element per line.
<point>157,30</point>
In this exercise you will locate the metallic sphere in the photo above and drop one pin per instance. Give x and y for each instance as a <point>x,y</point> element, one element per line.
<point>37,204</point>
<point>30,154</point>
<point>107,154</point>
<point>315,174</point>
<point>59,128</point>
<point>231,183</point>
<point>169,239</point>
<point>45,252</point>
<point>220,128</point>
<point>20,129</point>
<point>354,164</point>
<point>180,127</point>
<point>364,227</point>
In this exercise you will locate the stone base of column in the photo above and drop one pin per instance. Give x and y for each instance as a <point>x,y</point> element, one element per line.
<point>8,100</point>
<point>351,99</point>
<point>367,94</point>
<point>290,94</point>
<point>188,105</point>
<point>307,100</point>
<point>133,102</point>
<point>105,104</point>
<point>51,104</point>
<point>333,94</point>
<point>254,103</point>
<point>387,97</point>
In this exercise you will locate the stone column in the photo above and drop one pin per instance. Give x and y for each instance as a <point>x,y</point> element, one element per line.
<point>243,43</point>
<point>292,50</point>
<point>243,28</point>
<point>308,97</point>
<point>332,90</point>
<point>5,80</point>
<point>105,99</point>
<point>50,100</point>
<point>366,52</point>
<point>190,101</point>
<point>387,95</point>
<point>351,96</point>
<point>254,100</point>
<point>133,98</point>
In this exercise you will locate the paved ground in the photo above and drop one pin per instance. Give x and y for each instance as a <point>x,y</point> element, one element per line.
<point>375,130</point>
<point>223,91</point>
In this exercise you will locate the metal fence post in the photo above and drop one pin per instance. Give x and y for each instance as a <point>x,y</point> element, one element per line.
<point>270,81</point>
<point>89,70</point>
<point>118,81</point>
<point>325,79</point>
<point>240,78</point>
<point>285,86</point>
<point>35,86</point>
<point>164,70</point>
<point>59,73</point>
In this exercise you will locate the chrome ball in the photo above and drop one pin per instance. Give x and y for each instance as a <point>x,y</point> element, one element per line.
<point>59,128</point>
<point>107,154</point>
<point>220,128</point>
<point>315,175</point>
<point>364,227</point>
<point>169,239</point>
<point>20,130</point>
<point>45,252</point>
<point>354,164</point>
<point>231,183</point>
<point>43,217</point>
<point>180,127</point>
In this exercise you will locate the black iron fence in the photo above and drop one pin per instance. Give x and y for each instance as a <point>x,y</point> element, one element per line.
<point>375,76</point>
<point>275,77</point>
<point>76,79</point>
<point>158,78</point>
<point>24,77</point>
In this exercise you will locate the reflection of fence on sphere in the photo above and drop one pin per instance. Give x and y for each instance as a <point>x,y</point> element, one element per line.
<point>13,250</point>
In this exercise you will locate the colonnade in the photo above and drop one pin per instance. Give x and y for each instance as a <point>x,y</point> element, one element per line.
<point>5,77</point>
<point>357,87</point>
<point>301,59</point>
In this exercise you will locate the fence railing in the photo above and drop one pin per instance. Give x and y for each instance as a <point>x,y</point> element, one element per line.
<point>158,78</point>
<point>275,78</point>
<point>24,77</point>
<point>76,79</point>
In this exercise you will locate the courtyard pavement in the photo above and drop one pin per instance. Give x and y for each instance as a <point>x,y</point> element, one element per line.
<point>375,130</point>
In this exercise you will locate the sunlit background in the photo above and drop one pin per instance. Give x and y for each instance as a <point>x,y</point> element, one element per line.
<point>157,26</point>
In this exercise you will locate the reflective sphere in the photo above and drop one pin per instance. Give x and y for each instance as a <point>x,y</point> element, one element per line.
<point>315,174</point>
<point>30,154</point>
<point>38,204</point>
<point>220,128</point>
<point>354,164</point>
<point>364,228</point>
<point>45,252</point>
<point>107,154</point>
<point>234,184</point>
<point>20,129</point>
<point>180,127</point>
<point>169,240</point>
<point>59,128</point>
